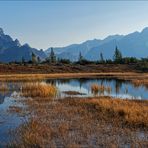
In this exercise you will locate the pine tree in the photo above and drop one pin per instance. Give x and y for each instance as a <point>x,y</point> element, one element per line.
<point>38,59</point>
<point>101,58</point>
<point>52,57</point>
<point>23,60</point>
<point>117,56</point>
<point>34,60</point>
<point>80,57</point>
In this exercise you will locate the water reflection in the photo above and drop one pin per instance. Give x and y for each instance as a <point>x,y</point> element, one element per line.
<point>111,87</point>
<point>119,88</point>
<point>8,120</point>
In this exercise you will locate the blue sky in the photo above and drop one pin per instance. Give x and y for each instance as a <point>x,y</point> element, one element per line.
<point>48,23</point>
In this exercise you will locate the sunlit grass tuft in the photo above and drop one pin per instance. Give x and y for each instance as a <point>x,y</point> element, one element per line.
<point>38,90</point>
<point>95,89</point>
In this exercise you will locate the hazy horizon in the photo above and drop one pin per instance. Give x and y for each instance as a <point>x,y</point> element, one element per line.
<point>61,23</point>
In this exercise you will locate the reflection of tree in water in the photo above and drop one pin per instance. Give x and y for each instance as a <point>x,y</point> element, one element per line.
<point>82,81</point>
<point>85,80</point>
<point>146,86</point>
<point>126,89</point>
<point>118,85</point>
<point>51,81</point>
<point>102,82</point>
<point>63,81</point>
<point>107,81</point>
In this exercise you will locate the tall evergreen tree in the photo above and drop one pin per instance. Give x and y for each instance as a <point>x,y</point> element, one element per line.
<point>23,60</point>
<point>101,58</point>
<point>38,59</point>
<point>80,57</point>
<point>117,55</point>
<point>33,58</point>
<point>52,57</point>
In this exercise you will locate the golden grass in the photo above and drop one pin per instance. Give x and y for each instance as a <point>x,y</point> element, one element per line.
<point>38,90</point>
<point>95,89</point>
<point>33,77</point>
<point>130,112</point>
<point>74,122</point>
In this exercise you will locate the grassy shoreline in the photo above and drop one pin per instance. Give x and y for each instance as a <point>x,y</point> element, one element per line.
<point>136,78</point>
<point>72,75</point>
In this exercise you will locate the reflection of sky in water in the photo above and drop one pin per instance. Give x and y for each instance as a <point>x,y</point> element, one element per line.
<point>121,89</point>
<point>7,120</point>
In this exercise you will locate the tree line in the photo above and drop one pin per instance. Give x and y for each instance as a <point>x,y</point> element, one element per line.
<point>117,59</point>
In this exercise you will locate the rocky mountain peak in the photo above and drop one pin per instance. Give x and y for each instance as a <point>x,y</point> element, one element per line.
<point>17,43</point>
<point>1,31</point>
<point>145,30</point>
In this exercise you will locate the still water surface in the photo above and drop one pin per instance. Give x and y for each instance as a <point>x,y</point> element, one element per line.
<point>119,88</point>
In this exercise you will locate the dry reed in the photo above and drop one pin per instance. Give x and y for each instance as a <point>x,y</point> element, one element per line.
<point>31,77</point>
<point>75,121</point>
<point>95,89</point>
<point>38,90</point>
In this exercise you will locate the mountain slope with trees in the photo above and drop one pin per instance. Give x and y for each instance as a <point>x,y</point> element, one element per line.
<point>131,45</point>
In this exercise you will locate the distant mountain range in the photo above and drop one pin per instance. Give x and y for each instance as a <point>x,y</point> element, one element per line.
<point>12,50</point>
<point>134,44</point>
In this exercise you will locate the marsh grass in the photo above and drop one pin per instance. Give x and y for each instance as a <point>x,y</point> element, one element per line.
<point>128,112</point>
<point>76,121</point>
<point>95,89</point>
<point>35,77</point>
<point>38,89</point>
